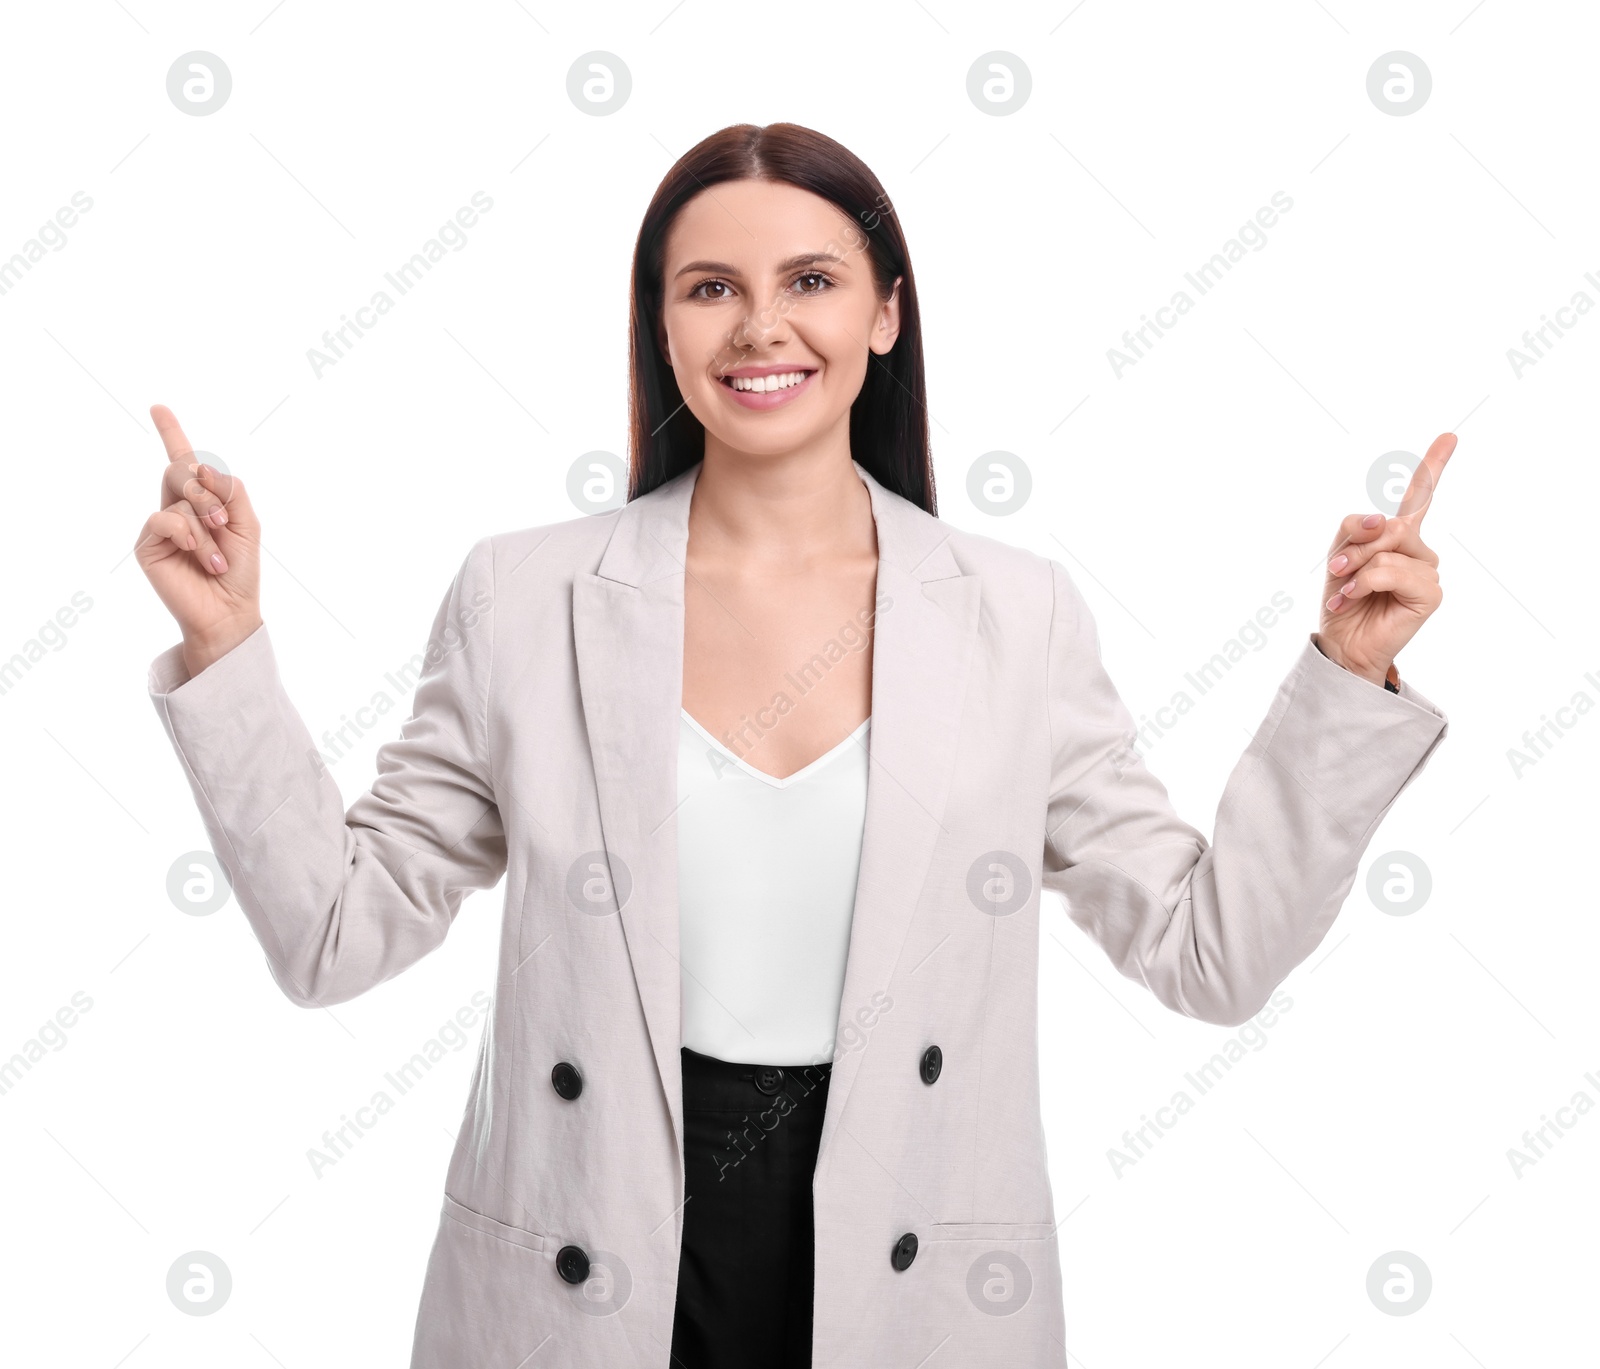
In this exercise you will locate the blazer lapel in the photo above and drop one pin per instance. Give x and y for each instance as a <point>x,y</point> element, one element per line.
<point>921,655</point>
<point>627,623</point>
<point>628,635</point>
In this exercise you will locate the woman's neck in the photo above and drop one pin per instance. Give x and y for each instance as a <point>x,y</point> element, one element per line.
<point>795,509</point>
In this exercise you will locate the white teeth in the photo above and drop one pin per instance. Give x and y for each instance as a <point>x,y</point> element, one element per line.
<point>762,383</point>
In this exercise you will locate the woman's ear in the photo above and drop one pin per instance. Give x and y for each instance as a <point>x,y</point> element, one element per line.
<point>887,327</point>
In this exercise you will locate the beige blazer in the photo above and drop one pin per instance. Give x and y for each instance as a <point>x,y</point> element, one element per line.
<point>543,747</point>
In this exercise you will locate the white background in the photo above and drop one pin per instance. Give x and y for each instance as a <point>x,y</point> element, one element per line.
<point>1379,1111</point>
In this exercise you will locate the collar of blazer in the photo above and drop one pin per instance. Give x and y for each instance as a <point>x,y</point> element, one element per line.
<point>628,635</point>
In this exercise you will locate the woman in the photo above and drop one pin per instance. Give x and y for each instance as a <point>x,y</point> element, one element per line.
<point>777,764</point>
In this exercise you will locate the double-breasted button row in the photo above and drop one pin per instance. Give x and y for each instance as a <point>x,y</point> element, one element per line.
<point>572,1261</point>
<point>905,1249</point>
<point>769,1078</point>
<point>566,1080</point>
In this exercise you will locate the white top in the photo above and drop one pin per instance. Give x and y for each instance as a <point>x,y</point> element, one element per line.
<point>766,890</point>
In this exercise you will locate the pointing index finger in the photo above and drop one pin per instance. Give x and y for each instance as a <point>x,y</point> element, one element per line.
<point>178,446</point>
<point>1418,497</point>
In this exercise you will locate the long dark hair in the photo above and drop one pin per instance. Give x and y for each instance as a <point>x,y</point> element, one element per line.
<point>889,418</point>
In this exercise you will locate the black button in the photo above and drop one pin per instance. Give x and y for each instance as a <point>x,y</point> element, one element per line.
<point>568,1082</point>
<point>769,1079</point>
<point>905,1250</point>
<point>573,1264</point>
<point>932,1063</point>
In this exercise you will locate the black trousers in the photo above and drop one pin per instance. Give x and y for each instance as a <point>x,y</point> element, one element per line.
<point>745,1280</point>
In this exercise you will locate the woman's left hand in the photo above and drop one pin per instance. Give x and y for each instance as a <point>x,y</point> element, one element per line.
<point>1383,580</point>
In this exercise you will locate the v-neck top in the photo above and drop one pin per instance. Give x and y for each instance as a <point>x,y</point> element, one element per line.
<point>767,873</point>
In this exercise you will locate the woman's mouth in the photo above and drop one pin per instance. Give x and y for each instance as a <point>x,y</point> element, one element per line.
<point>769,391</point>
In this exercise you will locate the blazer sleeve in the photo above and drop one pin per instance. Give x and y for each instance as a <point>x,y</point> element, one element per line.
<point>1213,928</point>
<point>342,901</point>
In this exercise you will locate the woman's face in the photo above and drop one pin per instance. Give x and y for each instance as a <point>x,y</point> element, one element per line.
<point>761,279</point>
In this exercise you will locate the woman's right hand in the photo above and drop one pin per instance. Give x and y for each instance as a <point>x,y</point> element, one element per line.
<point>202,551</point>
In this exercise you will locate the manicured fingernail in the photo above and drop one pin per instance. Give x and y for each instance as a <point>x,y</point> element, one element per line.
<point>1333,602</point>
<point>219,515</point>
<point>1338,563</point>
<point>1345,588</point>
<point>217,563</point>
<point>1372,520</point>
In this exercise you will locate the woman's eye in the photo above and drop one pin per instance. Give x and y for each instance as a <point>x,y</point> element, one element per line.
<point>706,285</point>
<point>816,276</point>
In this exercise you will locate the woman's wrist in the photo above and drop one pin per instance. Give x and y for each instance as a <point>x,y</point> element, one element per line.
<point>207,649</point>
<point>1388,678</point>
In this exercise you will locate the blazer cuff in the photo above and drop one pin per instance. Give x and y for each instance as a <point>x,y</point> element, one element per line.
<point>215,719</point>
<point>169,675</point>
<point>1351,743</point>
<point>1405,691</point>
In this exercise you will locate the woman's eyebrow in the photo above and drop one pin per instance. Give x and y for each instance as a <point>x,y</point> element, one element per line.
<point>788,264</point>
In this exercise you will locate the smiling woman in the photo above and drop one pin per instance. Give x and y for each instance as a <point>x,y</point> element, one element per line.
<point>760,1082</point>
